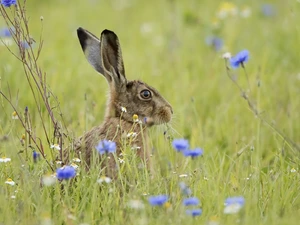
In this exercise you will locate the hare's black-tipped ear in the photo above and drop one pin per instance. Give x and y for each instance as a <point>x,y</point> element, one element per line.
<point>111,55</point>
<point>90,45</point>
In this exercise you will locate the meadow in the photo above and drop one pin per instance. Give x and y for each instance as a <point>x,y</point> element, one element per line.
<point>246,120</point>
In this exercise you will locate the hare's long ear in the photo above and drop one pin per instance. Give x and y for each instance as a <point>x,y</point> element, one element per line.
<point>91,48</point>
<point>112,60</point>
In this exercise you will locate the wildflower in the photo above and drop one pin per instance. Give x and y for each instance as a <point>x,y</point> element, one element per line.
<point>104,179</point>
<point>48,180</point>
<point>36,156</point>
<point>239,59</point>
<point>135,204</point>
<point>10,182</point>
<point>77,160</point>
<point>14,115</point>
<point>5,32</point>
<point>158,200</point>
<point>135,147</point>
<point>185,189</point>
<point>268,10</point>
<point>58,162</point>
<point>5,160</point>
<point>226,55</point>
<point>146,28</point>
<point>65,173</point>
<point>234,204</point>
<point>194,212</point>
<point>293,170</point>
<point>246,12</point>
<point>180,144</point>
<point>190,201</point>
<point>131,134</point>
<point>106,147</point>
<point>167,205</point>
<point>55,146</point>
<point>193,153</point>
<point>25,44</point>
<point>13,197</point>
<point>121,160</point>
<point>135,118</point>
<point>227,9</point>
<point>123,109</point>
<point>183,175</point>
<point>215,42</point>
<point>74,166</point>
<point>8,3</point>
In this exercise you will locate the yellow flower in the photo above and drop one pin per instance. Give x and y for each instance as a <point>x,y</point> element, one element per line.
<point>23,137</point>
<point>167,205</point>
<point>74,166</point>
<point>76,160</point>
<point>227,9</point>
<point>135,118</point>
<point>56,146</point>
<point>131,134</point>
<point>5,160</point>
<point>104,179</point>
<point>14,115</point>
<point>10,182</point>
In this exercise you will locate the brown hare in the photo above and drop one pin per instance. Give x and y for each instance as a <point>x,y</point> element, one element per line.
<point>132,106</point>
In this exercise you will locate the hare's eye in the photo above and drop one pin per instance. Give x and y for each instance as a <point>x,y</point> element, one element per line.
<point>145,94</point>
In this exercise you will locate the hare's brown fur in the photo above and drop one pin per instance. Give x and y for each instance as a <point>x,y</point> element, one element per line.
<point>135,96</point>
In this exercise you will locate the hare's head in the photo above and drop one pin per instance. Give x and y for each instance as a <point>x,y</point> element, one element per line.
<point>136,96</point>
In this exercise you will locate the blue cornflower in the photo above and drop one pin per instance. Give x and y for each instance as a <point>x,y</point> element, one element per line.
<point>194,212</point>
<point>239,59</point>
<point>215,42</point>
<point>106,146</point>
<point>191,201</point>
<point>234,204</point>
<point>185,189</point>
<point>25,44</point>
<point>180,144</point>
<point>8,3</point>
<point>158,200</point>
<point>268,10</point>
<point>193,152</point>
<point>235,200</point>
<point>65,173</point>
<point>5,32</point>
<point>36,156</point>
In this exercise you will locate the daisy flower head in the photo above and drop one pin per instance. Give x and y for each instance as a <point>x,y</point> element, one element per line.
<point>123,109</point>
<point>5,160</point>
<point>104,179</point>
<point>10,182</point>
<point>55,146</point>
<point>14,115</point>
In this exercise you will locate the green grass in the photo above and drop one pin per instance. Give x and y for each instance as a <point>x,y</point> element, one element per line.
<point>243,156</point>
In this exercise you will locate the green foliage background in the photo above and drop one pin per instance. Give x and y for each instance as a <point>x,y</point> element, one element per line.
<point>172,56</point>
